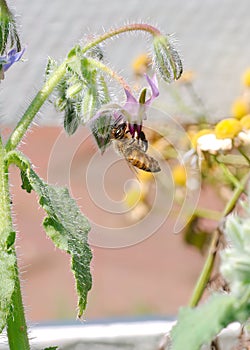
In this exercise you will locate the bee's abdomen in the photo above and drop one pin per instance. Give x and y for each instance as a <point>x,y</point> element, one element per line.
<point>143,161</point>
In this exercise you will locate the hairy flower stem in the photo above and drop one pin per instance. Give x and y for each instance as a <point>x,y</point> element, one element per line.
<point>16,324</point>
<point>129,28</point>
<point>110,72</point>
<point>35,106</point>
<point>209,263</point>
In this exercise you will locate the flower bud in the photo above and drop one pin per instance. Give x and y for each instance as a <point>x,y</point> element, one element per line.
<point>9,38</point>
<point>167,59</point>
<point>74,90</point>
<point>89,104</point>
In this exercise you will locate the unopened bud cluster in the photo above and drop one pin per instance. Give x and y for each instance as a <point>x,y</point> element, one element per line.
<point>81,92</point>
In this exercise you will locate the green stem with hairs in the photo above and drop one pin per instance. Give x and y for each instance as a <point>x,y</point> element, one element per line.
<point>209,263</point>
<point>128,28</point>
<point>110,72</point>
<point>35,106</point>
<point>16,324</point>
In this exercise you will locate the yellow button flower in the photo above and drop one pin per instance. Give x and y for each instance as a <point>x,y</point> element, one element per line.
<point>239,108</point>
<point>245,122</point>
<point>246,77</point>
<point>179,175</point>
<point>227,128</point>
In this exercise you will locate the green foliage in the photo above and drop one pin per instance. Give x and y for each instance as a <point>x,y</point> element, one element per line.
<point>82,91</point>
<point>235,265</point>
<point>67,228</point>
<point>198,326</point>
<point>101,130</point>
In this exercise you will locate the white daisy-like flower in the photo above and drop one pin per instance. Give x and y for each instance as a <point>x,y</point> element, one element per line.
<point>244,137</point>
<point>210,143</point>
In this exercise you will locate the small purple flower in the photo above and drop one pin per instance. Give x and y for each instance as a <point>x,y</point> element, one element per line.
<point>133,112</point>
<point>9,59</point>
<point>137,109</point>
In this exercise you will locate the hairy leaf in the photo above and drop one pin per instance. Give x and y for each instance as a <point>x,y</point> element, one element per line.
<point>199,326</point>
<point>72,119</point>
<point>7,284</point>
<point>68,229</point>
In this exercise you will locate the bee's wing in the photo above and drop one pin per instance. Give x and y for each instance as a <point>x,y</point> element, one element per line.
<point>131,166</point>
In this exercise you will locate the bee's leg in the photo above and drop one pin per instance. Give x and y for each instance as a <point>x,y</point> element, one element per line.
<point>141,137</point>
<point>132,140</point>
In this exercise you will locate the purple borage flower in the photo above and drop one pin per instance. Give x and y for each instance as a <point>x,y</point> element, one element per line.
<point>137,109</point>
<point>8,60</point>
<point>133,112</point>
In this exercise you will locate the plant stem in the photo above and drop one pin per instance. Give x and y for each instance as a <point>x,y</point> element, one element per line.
<point>241,150</point>
<point>233,179</point>
<point>16,324</point>
<point>128,28</point>
<point>5,214</point>
<point>34,107</point>
<point>209,263</point>
<point>110,72</point>
<point>208,214</point>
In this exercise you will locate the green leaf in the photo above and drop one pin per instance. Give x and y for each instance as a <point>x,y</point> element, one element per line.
<point>51,348</point>
<point>101,130</point>
<point>10,240</point>
<point>199,326</point>
<point>72,119</point>
<point>22,162</point>
<point>25,182</point>
<point>7,284</point>
<point>52,65</point>
<point>68,229</point>
<point>103,91</point>
<point>232,159</point>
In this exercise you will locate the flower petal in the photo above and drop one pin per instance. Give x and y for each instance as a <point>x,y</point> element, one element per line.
<point>12,57</point>
<point>131,106</point>
<point>153,83</point>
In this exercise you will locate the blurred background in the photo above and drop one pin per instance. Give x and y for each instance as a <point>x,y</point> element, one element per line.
<point>154,276</point>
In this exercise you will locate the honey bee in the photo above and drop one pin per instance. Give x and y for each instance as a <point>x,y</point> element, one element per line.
<point>133,149</point>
